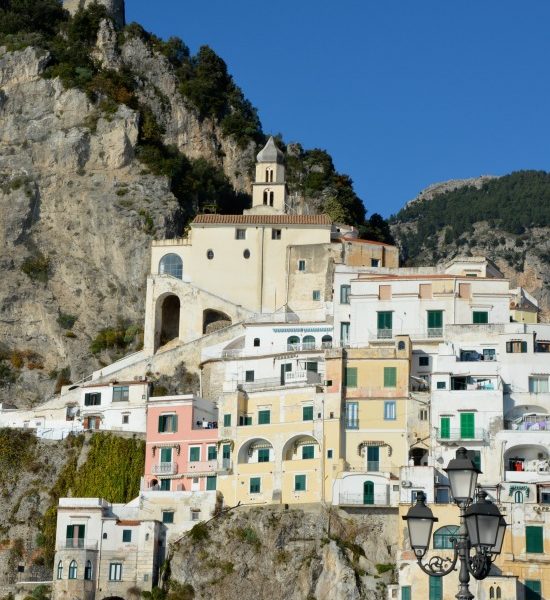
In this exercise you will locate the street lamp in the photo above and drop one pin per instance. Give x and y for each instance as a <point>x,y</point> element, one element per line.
<point>482,528</point>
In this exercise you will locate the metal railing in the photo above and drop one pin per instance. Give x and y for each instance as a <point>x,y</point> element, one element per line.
<point>373,465</point>
<point>376,499</point>
<point>79,544</point>
<point>165,468</point>
<point>384,334</point>
<point>290,378</point>
<point>435,332</point>
<point>451,435</point>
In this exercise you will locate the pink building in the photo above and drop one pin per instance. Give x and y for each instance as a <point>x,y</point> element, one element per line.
<point>181,452</point>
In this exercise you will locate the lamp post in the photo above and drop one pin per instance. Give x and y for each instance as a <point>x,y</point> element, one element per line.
<point>482,528</point>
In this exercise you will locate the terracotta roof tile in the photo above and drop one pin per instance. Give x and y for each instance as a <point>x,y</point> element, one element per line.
<point>262,219</point>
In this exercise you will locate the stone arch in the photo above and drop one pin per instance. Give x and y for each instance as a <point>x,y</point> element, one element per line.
<point>291,445</point>
<point>167,319</point>
<point>250,447</point>
<point>212,320</point>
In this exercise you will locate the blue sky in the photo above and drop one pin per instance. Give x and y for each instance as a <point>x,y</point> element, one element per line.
<point>402,94</point>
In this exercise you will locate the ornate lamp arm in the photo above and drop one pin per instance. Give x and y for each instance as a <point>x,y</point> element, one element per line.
<point>439,566</point>
<point>479,565</point>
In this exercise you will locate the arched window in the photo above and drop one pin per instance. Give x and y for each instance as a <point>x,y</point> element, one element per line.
<point>265,197</point>
<point>498,592</point>
<point>308,343</point>
<point>518,497</point>
<point>271,196</point>
<point>442,537</point>
<point>293,342</point>
<point>88,570</point>
<point>326,341</point>
<point>73,569</point>
<point>491,592</point>
<point>256,342</point>
<point>60,569</point>
<point>401,345</point>
<point>171,264</point>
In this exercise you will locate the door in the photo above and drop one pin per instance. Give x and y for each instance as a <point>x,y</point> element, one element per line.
<point>195,485</point>
<point>385,323</point>
<point>165,460</point>
<point>445,428</point>
<point>368,492</point>
<point>226,456</point>
<point>467,426</point>
<point>344,334</point>
<point>285,368</point>
<point>373,458</point>
<point>533,589</point>
<point>435,322</point>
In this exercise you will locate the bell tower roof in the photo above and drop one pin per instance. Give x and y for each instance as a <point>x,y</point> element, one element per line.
<point>270,153</point>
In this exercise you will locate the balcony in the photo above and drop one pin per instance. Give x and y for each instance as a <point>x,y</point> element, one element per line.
<point>165,468</point>
<point>373,466</point>
<point>78,544</point>
<point>352,423</point>
<point>529,422</point>
<point>202,466</point>
<point>384,334</point>
<point>302,377</point>
<point>375,499</point>
<point>435,332</point>
<point>455,435</point>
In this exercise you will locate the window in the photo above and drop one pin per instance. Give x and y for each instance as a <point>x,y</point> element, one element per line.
<point>344,333</point>
<point>436,588</point>
<point>264,417</point>
<point>126,535</point>
<point>385,321</point>
<point>406,592</point>
<point>329,453</point>
<point>301,265</point>
<point>256,342</point>
<point>194,453</point>
<point>390,411</point>
<point>209,254</point>
<point>73,570</point>
<point>245,420</point>
<point>60,570</point>
<point>308,452</point>
<point>275,234</point>
<point>167,516</point>
<point>442,495</point>
<point>249,376</point>
<point>345,293</point>
<point>195,515</point>
<point>168,423</point>
<point>293,343</point>
<point>326,341</point>
<point>533,590</point>
<point>120,393</point>
<point>246,253</point>
<point>352,410</point>
<point>423,414</point>
<point>307,413</point>
<point>255,485</point>
<point>125,419</point>
<point>373,458</point>
<point>423,361</point>
<point>226,452</point>
<point>467,425</point>
<point>443,535</point>
<point>534,539</point>
<point>240,234</point>
<point>75,536</point>
<point>435,323</point>
<point>166,455</point>
<point>312,366</point>
<point>92,399</point>
<point>480,316</point>
<point>544,496</point>
<point>308,342</point>
<point>227,420</point>
<point>390,377</point>
<point>210,483</point>
<point>518,497</point>
<point>445,429</point>
<point>165,485</point>
<point>441,385</point>
<point>350,377</point>
<point>299,483</point>
<point>538,385</point>
<point>316,295</point>
<point>489,354</point>
<point>171,264</point>
<point>115,571</point>
<point>516,347</point>
<point>212,453</point>
<point>263,455</point>
<point>374,262</point>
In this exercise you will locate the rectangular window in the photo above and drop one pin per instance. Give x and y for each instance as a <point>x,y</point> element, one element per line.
<point>390,377</point>
<point>75,536</point>
<point>301,265</point>
<point>212,453</point>
<point>115,572</point>
<point>308,452</point>
<point>299,483</point>
<point>264,417</point>
<point>352,415</point>
<point>227,420</point>
<point>195,515</point>
<point>435,323</point>
<point>329,453</point>
<point>194,453</point>
<point>245,420</point>
<point>445,423</point>
<point>390,413</point>
<point>240,234</point>
<point>92,399</point>
<point>167,516</point>
<point>534,540</point>
<point>125,419</point>
<point>406,592</point>
<point>165,485</point>
<point>226,451</point>
<point>127,535</point>
<point>210,483</point>
<point>423,414</point>
<point>533,589</point>
<point>249,376</point>
<point>345,292</point>
<point>312,366</point>
<point>350,377</point>
<point>538,385</point>
<point>374,262</point>
<point>475,457</point>
<point>316,295</point>
<point>373,458</point>
<point>307,413</point>
<point>121,393</point>
<point>168,423</point>
<point>436,588</point>
<point>480,316</point>
<point>467,425</point>
<point>344,333</point>
<point>255,485</point>
<point>423,361</point>
<point>441,385</point>
<point>516,347</point>
<point>385,324</point>
<point>275,234</point>
<point>166,455</point>
<point>263,455</point>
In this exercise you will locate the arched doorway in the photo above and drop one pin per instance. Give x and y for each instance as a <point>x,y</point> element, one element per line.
<point>212,320</point>
<point>368,492</point>
<point>170,319</point>
<point>419,456</point>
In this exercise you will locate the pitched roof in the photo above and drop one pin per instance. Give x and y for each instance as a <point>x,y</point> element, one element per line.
<point>262,219</point>
<point>270,153</point>
<point>362,241</point>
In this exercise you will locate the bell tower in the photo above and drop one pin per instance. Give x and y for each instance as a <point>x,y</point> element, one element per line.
<point>269,188</point>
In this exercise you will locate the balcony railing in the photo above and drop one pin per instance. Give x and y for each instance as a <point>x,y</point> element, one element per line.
<point>373,466</point>
<point>453,435</point>
<point>290,378</point>
<point>376,499</point>
<point>352,423</point>
<point>384,334</point>
<point>435,332</point>
<point>529,423</point>
<point>165,468</point>
<point>79,544</point>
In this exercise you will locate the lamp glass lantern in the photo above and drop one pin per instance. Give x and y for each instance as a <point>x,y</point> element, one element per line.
<point>462,474</point>
<point>497,548</point>
<point>483,523</point>
<point>420,522</point>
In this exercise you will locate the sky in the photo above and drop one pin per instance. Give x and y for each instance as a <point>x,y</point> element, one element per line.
<point>401,93</point>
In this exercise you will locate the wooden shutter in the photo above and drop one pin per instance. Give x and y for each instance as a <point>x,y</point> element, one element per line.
<point>435,319</point>
<point>161,424</point>
<point>467,425</point>
<point>445,428</point>
<point>390,376</point>
<point>436,588</point>
<point>534,541</point>
<point>350,377</point>
<point>385,320</point>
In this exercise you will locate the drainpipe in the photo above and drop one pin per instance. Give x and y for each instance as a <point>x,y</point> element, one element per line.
<point>99,545</point>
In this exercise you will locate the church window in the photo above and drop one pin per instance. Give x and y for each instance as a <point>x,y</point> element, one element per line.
<point>171,264</point>
<point>240,234</point>
<point>265,197</point>
<point>271,196</point>
<point>209,254</point>
<point>246,253</point>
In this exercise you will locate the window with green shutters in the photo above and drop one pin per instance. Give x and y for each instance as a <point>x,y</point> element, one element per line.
<point>345,291</point>
<point>264,417</point>
<point>475,457</point>
<point>534,540</point>
<point>436,588</point>
<point>308,452</point>
<point>255,485</point>
<point>435,323</point>
<point>467,426</point>
<point>127,535</point>
<point>406,592</point>
<point>299,483</point>
<point>445,425</point>
<point>226,451</point>
<point>390,376</point>
<point>263,455</point>
<point>350,377</point>
<point>307,413</point>
<point>165,455</point>
<point>533,589</point>
<point>165,485</point>
<point>385,320</point>
<point>168,423</point>
<point>212,453</point>
<point>194,453</point>
<point>210,483</point>
<point>227,420</point>
<point>480,316</point>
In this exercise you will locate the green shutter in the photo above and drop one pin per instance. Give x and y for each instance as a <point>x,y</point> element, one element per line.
<point>475,457</point>
<point>194,454</point>
<point>350,377</point>
<point>210,483</point>
<point>480,316</point>
<point>161,424</point>
<point>255,485</point>
<point>436,588</point>
<point>227,420</point>
<point>534,539</point>
<point>445,428</point>
<point>299,483</point>
<point>406,592</point>
<point>467,426</point>
<point>263,455</point>
<point>70,532</point>
<point>165,454</point>
<point>435,319</point>
<point>212,453</point>
<point>390,376</point>
<point>308,452</point>
<point>264,417</point>
<point>523,347</point>
<point>226,451</point>
<point>533,590</point>
<point>307,413</point>
<point>385,319</point>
